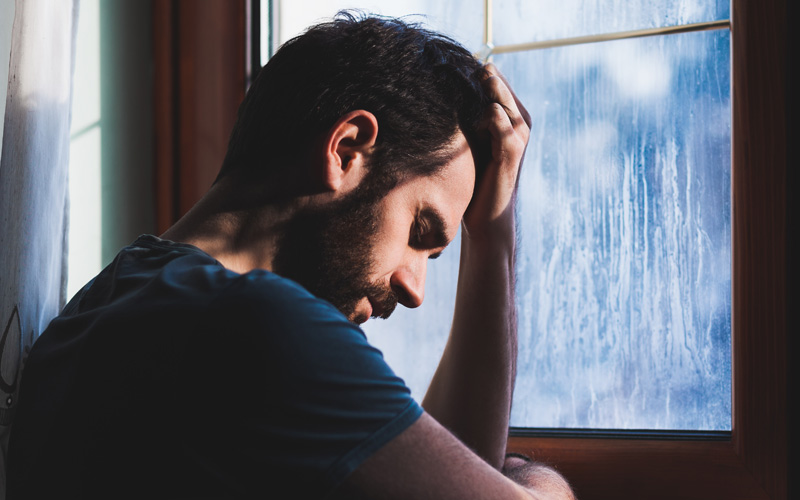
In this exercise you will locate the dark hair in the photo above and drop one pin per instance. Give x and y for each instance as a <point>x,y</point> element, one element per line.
<point>420,85</point>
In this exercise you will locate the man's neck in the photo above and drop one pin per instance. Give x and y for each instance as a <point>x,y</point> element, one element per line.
<point>241,239</point>
<point>240,221</point>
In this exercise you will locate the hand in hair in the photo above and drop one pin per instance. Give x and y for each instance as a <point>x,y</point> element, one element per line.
<point>507,123</point>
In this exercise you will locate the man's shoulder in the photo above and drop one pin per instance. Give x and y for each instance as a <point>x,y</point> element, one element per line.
<point>159,289</point>
<point>154,271</point>
<point>192,280</point>
<point>263,290</point>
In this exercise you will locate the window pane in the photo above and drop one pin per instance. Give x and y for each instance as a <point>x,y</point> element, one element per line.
<point>519,21</point>
<point>461,19</point>
<point>624,282</point>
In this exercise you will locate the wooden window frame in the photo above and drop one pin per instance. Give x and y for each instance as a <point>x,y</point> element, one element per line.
<point>200,65</point>
<point>201,61</point>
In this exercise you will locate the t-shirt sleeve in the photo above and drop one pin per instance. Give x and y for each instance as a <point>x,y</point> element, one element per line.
<point>320,398</point>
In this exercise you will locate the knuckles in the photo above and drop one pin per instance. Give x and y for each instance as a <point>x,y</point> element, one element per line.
<point>509,124</point>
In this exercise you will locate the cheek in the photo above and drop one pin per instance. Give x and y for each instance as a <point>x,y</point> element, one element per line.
<point>390,246</point>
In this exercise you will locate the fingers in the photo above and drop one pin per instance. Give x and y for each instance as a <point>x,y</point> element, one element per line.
<point>507,149</point>
<point>499,92</point>
<point>506,142</point>
<point>489,219</point>
<point>506,119</point>
<point>508,94</point>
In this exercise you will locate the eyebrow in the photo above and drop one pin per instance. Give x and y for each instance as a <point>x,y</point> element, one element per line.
<point>437,227</point>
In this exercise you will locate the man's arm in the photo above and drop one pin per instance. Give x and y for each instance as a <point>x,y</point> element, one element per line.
<point>426,462</point>
<point>471,391</point>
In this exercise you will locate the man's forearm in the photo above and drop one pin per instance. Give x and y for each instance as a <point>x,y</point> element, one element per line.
<point>471,391</point>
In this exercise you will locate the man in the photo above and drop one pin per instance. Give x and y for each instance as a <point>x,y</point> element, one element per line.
<point>223,359</point>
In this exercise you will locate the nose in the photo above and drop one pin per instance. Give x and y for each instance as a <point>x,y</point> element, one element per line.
<point>408,282</point>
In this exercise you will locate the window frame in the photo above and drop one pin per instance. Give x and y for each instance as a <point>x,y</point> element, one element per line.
<point>200,68</point>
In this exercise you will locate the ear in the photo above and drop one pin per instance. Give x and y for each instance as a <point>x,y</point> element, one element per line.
<point>347,146</point>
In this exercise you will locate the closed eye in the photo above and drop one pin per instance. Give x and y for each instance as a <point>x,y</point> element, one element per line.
<point>418,233</point>
<point>429,231</point>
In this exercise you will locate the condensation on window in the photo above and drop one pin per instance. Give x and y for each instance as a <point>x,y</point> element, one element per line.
<point>624,282</point>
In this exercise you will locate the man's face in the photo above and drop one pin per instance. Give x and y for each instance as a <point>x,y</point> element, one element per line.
<point>367,252</point>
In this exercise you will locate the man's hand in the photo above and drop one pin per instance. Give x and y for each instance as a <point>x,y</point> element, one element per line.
<point>538,478</point>
<point>508,124</point>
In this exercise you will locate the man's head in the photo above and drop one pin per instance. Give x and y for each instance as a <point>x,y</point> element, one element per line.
<point>410,102</point>
<point>421,86</point>
<point>368,251</point>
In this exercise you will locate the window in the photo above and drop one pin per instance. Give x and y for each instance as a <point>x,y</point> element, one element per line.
<point>85,206</point>
<point>199,73</point>
<point>750,462</point>
<point>624,263</point>
<point>110,174</point>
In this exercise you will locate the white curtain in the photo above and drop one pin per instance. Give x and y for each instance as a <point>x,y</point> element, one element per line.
<point>33,184</point>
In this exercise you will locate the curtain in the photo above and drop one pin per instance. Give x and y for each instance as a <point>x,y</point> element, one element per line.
<point>33,186</point>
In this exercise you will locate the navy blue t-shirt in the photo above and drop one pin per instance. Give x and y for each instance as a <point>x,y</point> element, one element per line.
<point>169,375</point>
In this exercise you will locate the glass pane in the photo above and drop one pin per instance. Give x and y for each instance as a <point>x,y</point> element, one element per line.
<point>460,19</point>
<point>624,282</point>
<point>519,21</point>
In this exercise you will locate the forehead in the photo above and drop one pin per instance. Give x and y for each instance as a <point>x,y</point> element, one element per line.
<point>448,191</point>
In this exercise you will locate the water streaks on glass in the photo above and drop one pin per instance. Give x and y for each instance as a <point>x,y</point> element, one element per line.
<point>624,265</point>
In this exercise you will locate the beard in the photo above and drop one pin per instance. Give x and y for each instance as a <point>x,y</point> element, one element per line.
<point>328,251</point>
